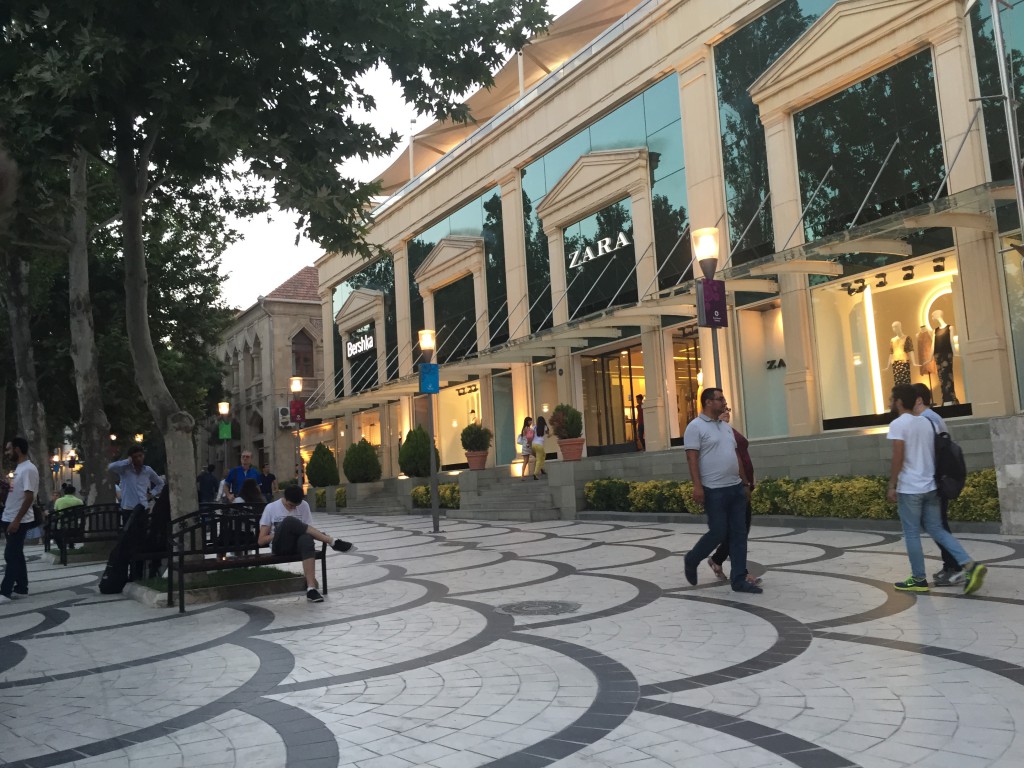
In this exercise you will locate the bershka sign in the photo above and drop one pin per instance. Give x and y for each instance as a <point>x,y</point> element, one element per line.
<point>580,257</point>
<point>359,346</point>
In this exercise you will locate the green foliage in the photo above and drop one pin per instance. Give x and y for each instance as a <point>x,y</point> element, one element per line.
<point>340,497</point>
<point>566,421</point>
<point>657,496</point>
<point>282,484</point>
<point>361,464</point>
<point>321,498</point>
<point>322,469</point>
<point>979,501</point>
<point>608,495</point>
<point>414,455</point>
<point>448,495</point>
<point>477,438</point>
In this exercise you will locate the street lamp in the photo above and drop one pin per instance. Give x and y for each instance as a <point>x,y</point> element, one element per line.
<point>297,410</point>
<point>430,386</point>
<point>139,437</point>
<point>224,428</point>
<point>711,308</point>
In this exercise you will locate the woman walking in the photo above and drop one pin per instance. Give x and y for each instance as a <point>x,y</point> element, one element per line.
<point>525,441</point>
<point>538,447</point>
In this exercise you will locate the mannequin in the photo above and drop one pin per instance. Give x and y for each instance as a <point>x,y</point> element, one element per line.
<point>943,356</point>
<point>901,350</point>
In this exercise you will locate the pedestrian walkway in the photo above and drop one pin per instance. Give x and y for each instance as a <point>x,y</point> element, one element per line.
<point>574,644</point>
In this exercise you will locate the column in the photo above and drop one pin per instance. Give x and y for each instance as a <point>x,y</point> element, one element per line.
<point>403,311</point>
<point>483,334</point>
<point>559,283</point>
<point>327,317</point>
<point>346,365</point>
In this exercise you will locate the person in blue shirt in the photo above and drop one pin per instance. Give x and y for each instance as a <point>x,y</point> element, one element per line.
<point>139,482</point>
<point>240,474</point>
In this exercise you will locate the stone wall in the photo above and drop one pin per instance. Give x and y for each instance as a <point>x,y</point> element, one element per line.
<point>1008,452</point>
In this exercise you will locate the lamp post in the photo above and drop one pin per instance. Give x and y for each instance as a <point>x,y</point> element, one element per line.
<point>430,385</point>
<point>297,409</point>
<point>224,428</point>
<point>711,308</point>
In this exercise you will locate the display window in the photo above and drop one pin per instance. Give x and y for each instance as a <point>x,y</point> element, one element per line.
<point>367,426</point>
<point>762,352</point>
<point>1013,276</point>
<point>503,408</point>
<point>457,406</point>
<point>686,364</point>
<point>900,326</point>
<point>545,398</point>
<point>613,383</point>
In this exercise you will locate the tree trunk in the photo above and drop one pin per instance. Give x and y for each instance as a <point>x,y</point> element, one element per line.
<point>96,483</point>
<point>174,424</point>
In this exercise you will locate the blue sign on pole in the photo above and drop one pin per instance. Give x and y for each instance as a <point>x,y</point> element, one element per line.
<point>430,378</point>
<point>711,305</point>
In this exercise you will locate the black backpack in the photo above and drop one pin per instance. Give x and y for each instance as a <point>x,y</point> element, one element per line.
<point>950,467</point>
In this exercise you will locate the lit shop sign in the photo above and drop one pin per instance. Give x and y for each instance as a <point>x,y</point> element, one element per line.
<point>604,247</point>
<point>359,346</point>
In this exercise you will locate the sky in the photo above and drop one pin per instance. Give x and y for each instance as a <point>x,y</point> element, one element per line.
<point>267,255</point>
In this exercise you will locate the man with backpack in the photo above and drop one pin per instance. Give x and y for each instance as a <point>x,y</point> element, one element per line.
<point>912,485</point>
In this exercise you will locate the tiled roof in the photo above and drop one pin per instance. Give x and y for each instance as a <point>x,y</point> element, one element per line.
<point>302,286</point>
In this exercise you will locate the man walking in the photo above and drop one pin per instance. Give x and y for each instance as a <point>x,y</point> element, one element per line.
<point>206,485</point>
<point>912,486</point>
<point>240,474</point>
<point>268,483</point>
<point>17,518</point>
<point>721,486</point>
<point>138,481</point>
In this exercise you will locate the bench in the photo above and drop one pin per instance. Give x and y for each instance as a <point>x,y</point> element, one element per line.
<point>220,537</point>
<point>78,525</point>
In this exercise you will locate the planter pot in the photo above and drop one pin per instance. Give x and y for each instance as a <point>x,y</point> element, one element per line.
<point>477,459</point>
<point>571,448</point>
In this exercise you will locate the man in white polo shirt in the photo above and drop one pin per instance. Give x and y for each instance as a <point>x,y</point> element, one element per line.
<point>720,486</point>
<point>17,518</point>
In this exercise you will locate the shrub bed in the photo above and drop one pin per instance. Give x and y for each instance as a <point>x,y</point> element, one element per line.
<point>448,494</point>
<point>842,497</point>
<point>340,497</point>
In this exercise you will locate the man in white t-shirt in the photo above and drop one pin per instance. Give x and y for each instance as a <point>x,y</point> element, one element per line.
<point>912,486</point>
<point>287,526</point>
<point>17,518</point>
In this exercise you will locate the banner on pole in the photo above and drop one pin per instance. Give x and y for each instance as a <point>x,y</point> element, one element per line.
<point>711,306</point>
<point>430,378</point>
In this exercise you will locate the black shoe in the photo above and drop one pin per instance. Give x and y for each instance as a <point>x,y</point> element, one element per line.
<point>314,596</point>
<point>746,586</point>
<point>690,572</point>
<point>343,546</point>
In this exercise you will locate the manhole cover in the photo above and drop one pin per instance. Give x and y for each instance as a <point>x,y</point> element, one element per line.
<point>539,608</point>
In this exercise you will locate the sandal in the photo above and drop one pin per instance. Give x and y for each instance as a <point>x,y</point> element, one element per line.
<point>717,569</point>
<point>755,580</point>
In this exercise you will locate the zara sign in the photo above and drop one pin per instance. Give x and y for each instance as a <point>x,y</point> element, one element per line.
<point>359,346</point>
<point>605,246</point>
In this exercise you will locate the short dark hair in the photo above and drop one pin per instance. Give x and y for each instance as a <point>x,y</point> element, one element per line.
<point>923,392</point>
<point>136,449</point>
<point>708,395</point>
<point>210,468</point>
<point>906,395</point>
<point>67,489</point>
<point>21,444</point>
<point>293,493</point>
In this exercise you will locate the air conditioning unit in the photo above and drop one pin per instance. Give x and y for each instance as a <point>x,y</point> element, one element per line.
<point>284,416</point>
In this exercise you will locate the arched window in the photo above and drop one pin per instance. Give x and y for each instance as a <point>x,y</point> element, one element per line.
<point>302,355</point>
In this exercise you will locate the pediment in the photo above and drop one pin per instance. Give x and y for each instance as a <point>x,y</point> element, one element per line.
<point>452,258</point>
<point>850,41</point>
<point>593,181</point>
<point>362,306</point>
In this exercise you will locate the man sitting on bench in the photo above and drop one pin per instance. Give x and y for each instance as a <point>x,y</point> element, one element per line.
<point>286,525</point>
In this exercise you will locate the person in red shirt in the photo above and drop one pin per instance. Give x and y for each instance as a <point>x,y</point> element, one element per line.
<point>743,454</point>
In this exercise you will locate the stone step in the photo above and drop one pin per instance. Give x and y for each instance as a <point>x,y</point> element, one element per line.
<point>534,515</point>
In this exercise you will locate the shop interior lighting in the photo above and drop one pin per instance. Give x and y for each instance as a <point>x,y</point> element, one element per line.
<point>882,282</point>
<point>939,264</point>
<point>908,272</point>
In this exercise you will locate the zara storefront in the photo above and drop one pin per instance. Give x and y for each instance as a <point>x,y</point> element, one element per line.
<point>861,193</point>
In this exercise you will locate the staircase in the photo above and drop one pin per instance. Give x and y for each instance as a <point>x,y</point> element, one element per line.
<point>383,503</point>
<point>491,494</point>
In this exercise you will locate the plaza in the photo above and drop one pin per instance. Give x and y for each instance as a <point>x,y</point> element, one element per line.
<point>568,643</point>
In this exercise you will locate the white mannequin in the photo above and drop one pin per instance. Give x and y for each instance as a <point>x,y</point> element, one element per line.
<point>939,319</point>
<point>897,347</point>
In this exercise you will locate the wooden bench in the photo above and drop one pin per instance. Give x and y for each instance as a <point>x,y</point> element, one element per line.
<point>78,525</point>
<point>220,537</point>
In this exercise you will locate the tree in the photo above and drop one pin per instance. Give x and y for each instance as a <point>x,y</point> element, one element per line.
<point>322,469</point>
<point>186,91</point>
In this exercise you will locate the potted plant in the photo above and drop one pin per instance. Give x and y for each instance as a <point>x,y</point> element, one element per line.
<point>476,441</point>
<point>567,424</point>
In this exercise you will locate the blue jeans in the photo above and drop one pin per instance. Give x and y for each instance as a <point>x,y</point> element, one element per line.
<point>16,572</point>
<point>922,510</point>
<point>726,509</point>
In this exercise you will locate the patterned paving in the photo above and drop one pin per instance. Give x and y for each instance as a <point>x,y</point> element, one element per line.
<point>421,657</point>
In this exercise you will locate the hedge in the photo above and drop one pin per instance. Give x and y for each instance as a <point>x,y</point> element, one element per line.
<point>340,497</point>
<point>842,497</point>
<point>448,494</point>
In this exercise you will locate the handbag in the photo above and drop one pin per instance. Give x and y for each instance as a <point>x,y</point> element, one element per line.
<point>521,440</point>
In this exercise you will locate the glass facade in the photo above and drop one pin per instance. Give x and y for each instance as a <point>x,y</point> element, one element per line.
<point>363,367</point>
<point>739,60</point>
<point>379,276</point>
<point>1013,274</point>
<point>479,218</point>
<point>762,351</point>
<point>600,260</point>
<point>611,383</point>
<point>456,312</point>
<point>651,119</point>
<point>503,407</point>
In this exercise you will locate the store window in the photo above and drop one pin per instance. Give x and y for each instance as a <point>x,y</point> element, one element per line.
<point>457,406</point>
<point>686,364</point>
<point>872,333</point>
<point>611,383</point>
<point>763,363</point>
<point>455,320</point>
<point>379,276</point>
<point>545,398</point>
<point>653,120</point>
<point>367,427</point>
<point>302,355</point>
<point>600,260</point>
<point>503,408</point>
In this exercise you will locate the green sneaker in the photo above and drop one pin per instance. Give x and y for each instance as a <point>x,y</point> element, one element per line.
<point>910,584</point>
<point>975,578</point>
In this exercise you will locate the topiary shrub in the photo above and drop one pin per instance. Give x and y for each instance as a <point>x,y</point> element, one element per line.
<point>566,422</point>
<point>607,495</point>
<point>476,438</point>
<point>340,497</point>
<point>414,455</point>
<point>361,463</point>
<point>448,496</point>
<point>322,469</point>
<point>979,500</point>
<point>321,498</point>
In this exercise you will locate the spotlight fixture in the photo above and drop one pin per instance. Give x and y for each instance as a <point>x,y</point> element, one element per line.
<point>460,390</point>
<point>882,282</point>
<point>847,287</point>
<point>861,285</point>
<point>940,264</point>
<point>908,272</point>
